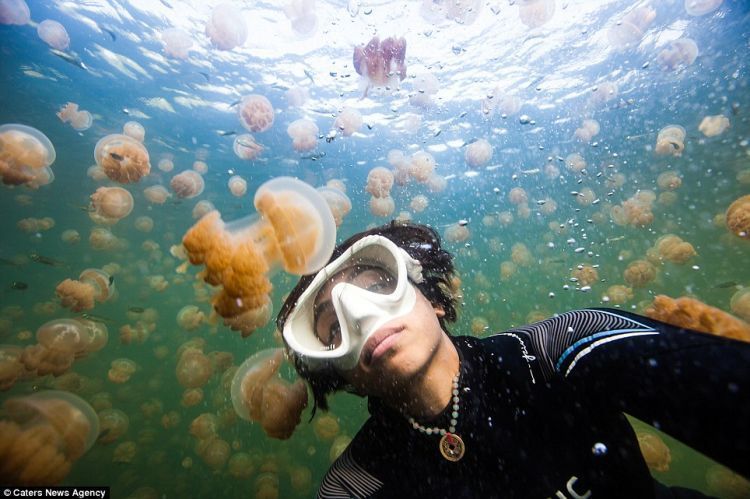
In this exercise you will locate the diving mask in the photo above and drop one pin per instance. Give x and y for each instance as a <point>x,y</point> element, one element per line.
<point>349,299</point>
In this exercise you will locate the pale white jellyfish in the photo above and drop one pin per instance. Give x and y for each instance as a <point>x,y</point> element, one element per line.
<point>588,130</point>
<point>456,233</point>
<point>200,166</point>
<point>460,11</point>
<point>156,194</point>
<point>425,85</point>
<point>629,30</point>
<point>245,147</point>
<point>419,203</point>
<point>382,207</point>
<point>712,126</point>
<point>297,96</point>
<point>177,42</point>
<point>135,130</point>
<point>436,183</point>
<point>478,153</point>
<point>604,92</point>
<point>53,34</point>
<point>302,15</point>
<point>237,186</point>
<point>379,182</point>
<point>575,162</point>
<point>256,113</point>
<point>166,164</point>
<point>226,27</point>
<point>701,7</point>
<point>679,53</point>
<point>304,135</point>
<point>534,13</point>
<point>14,12</point>
<point>422,166</point>
<point>348,121</point>
<point>412,123</point>
<point>501,102</point>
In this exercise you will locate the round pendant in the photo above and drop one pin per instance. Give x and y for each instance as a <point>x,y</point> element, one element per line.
<point>452,447</point>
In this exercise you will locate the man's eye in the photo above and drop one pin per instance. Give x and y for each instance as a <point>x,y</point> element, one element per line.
<point>333,336</point>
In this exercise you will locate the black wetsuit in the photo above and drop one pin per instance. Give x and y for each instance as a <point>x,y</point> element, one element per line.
<point>541,414</point>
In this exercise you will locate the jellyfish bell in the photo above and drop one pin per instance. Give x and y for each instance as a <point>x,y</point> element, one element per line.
<point>304,134</point>
<point>738,217</point>
<point>381,64</point>
<point>424,85</point>
<point>110,205</point>
<point>535,13</point>
<point>382,206</point>
<point>711,126</point>
<point>11,367</point>
<point>14,12</point>
<point>679,53</point>
<point>302,15</point>
<point>478,153</point>
<point>348,121</point>
<point>226,27</point>
<point>245,147</point>
<point>670,141</point>
<point>80,120</point>
<point>379,182</point>
<point>701,7</point>
<point>338,202</point>
<point>187,184</point>
<point>156,194</point>
<point>53,34</point>
<point>200,167</point>
<point>629,30</point>
<point>134,130</point>
<point>25,156</point>
<point>422,166</point>
<point>122,158</point>
<point>460,11</point>
<point>113,424</point>
<point>177,42</point>
<point>256,113</point>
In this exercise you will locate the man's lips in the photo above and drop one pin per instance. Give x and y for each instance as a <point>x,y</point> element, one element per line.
<point>379,343</point>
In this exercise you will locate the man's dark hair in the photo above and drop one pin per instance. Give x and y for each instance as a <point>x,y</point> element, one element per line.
<point>423,244</point>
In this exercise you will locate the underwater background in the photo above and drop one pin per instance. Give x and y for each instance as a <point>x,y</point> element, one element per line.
<point>549,182</point>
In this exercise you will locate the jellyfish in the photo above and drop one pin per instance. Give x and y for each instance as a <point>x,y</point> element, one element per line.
<point>256,113</point>
<point>113,424</point>
<point>348,121</point>
<point>121,370</point>
<point>190,318</point>
<point>669,180</point>
<point>193,369</point>
<point>457,233</point>
<point>424,85</point>
<point>619,294</point>
<point>109,205</point>
<point>11,367</point>
<point>202,208</point>
<point>191,397</point>
<point>548,207</point>
<point>382,207</point>
<point>588,130</point>
<point>297,96</point>
<point>156,194</point>
<point>654,450</point>
<point>214,451</point>
<point>144,224</point>
<point>78,337</point>
<point>124,452</point>
<point>166,165</point>
<point>690,313</point>
<point>32,225</point>
<point>517,195</point>
<point>586,196</point>
<point>585,275</point>
<point>679,53</point>
<point>134,130</point>
<point>738,217</point>
<point>226,27</point>
<point>25,156</point>
<point>14,12</point>
<point>629,30</point>
<point>381,64</point>
<point>520,255</point>
<point>701,7</point>
<point>260,395</point>
<point>671,248</point>
<point>639,273</point>
<point>237,186</point>
<point>575,162</point>
<point>740,303</point>
<point>177,42</point>
<point>711,126</point>
<point>604,92</point>
<point>460,11</point>
<point>45,433</point>
<point>79,120</point>
<point>92,285</point>
<point>295,229</point>
<point>670,141</point>
<point>379,182</point>
<point>245,147</point>
<point>499,100</point>
<point>122,158</point>
<point>338,447</point>
<point>266,486</point>
<point>419,203</point>
<point>302,15</point>
<point>304,135</point>
<point>337,201</point>
<point>204,426</point>
<point>535,13</point>
<point>326,427</point>
<point>300,477</point>
<point>422,166</point>
<point>241,465</point>
<point>188,184</point>
<point>53,34</point>
<point>478,153</point>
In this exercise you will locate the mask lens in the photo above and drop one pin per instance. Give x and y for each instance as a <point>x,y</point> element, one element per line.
<point>370,278</point>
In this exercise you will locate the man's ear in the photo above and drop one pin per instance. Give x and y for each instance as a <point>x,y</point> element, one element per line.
<point>439,311</point>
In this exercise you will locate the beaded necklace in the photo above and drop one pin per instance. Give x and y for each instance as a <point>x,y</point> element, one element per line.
<point>451,446</point>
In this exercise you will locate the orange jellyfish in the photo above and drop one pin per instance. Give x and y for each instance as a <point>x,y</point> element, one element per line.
<point>190,318</point>
<point>109,205</point>
<point>382,207</point>
<point>639,273</point>
<point>295,230</point>
<point>456,233</point>
<point>478,153</point>
<point>711,126</point>
<point>256,113</point>
<point>304,135</point>
<point>166,164</point>
<point>738,217</point>
<point>200,167</point>
<point>11,367</point>
<point>144,224</point>
<point>53,34</point>
<point>79,120</point>
<point>92,285</point>
<point>135,130</point>
<point>214,451</point>
<point>419,203</point>
<point>237,186</point>
<point>381,64</point>
<point>422,166</point>
<point>260,395</point>
<point>46,433</point>
<point>156,194</point>
<point>121,370</point>
<point>226,27</point>
<point>338,202</point>
<point>348,121</point>
<point>694,314</point>
<point>740,303</point>
<point>25,156</point>
<point>14,12</point>
<point>113,423</point>
<point>122,158</point>
<point>245,147</point>
<point>654,450</point>
<point>670,141</point>
<point>671,248</point>
<point>326,427</point>
<point>585,274</point>
<point>194,368</point>
<point>517,195</point>
<point>177,42</point>
<point>379,182</point>
<point>187,184</point>
<point>725,483</point>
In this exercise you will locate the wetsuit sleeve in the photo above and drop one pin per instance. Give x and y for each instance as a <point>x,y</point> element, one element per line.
<point>694,386</point>
<point>347,478</point>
